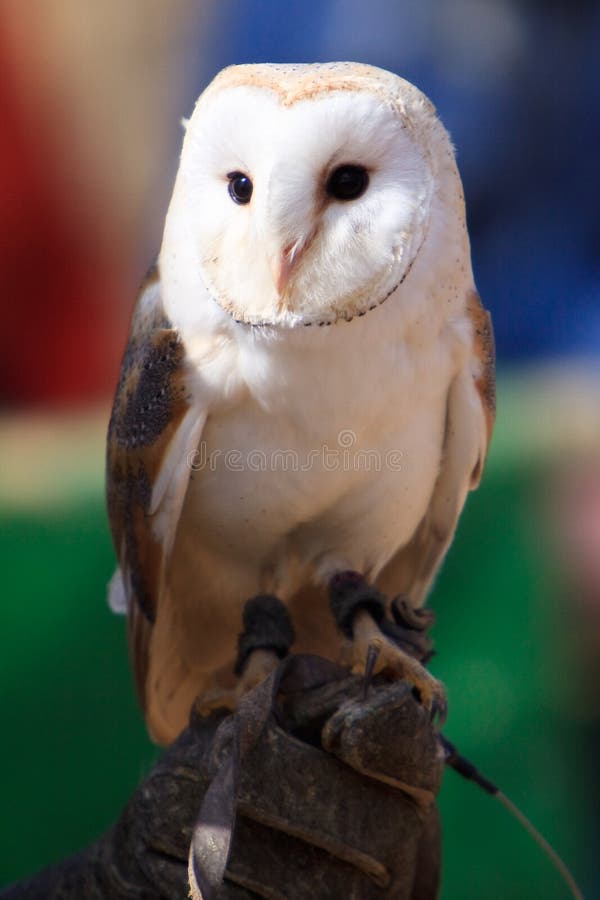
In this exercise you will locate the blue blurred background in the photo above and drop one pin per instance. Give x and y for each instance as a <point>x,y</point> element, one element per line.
<point>91,97</point>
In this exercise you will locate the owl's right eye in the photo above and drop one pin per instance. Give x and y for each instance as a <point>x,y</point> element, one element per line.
<point>240,187</point>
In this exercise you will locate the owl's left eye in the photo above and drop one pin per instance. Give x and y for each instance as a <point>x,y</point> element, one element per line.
<point>347,182</point>
<point>240,187</point>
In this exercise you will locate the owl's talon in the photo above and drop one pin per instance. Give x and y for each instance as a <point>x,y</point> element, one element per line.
<point>374,652</point>
<point>372,656</point>
<point>439,710</point>
<point>399,645</point>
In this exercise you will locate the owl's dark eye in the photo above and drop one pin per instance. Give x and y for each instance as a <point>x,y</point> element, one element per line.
<point>240,187</point>
<point>347,182</point>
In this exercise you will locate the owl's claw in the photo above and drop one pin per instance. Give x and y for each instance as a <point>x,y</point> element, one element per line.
<point>374,652</point>
<point>370,663</point>
<point>439,709</point>
<point>380,645</point>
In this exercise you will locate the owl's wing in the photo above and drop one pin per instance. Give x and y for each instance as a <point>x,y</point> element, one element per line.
<point>470,414</point>
<point>154,427</point>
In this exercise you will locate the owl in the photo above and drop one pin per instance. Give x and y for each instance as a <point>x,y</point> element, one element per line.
<point>307,394</point>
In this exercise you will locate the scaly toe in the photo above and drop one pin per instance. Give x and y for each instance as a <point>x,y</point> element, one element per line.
<point>373,652</point>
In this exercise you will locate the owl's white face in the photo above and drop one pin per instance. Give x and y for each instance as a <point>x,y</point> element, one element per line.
<point>305,210</point>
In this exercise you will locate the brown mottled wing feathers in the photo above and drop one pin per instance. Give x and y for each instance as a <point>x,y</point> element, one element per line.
<point>151,402</point>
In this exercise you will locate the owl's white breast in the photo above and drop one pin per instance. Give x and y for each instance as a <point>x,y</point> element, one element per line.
<point>327,454</point>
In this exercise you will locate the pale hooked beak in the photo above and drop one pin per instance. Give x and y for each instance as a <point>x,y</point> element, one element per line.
<point>284,266</point>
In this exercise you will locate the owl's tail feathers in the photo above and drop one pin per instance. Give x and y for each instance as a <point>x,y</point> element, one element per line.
<point>466,768</point>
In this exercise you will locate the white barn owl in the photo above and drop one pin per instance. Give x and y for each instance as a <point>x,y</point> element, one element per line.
<point>308,388</point>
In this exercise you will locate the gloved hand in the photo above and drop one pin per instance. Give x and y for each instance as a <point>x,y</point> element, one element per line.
<point>335,792</point>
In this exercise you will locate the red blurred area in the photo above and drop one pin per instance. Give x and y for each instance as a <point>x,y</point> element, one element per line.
<point>60,290</point>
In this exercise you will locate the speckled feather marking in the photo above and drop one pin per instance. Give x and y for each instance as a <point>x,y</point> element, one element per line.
<point>294,83</point>
<point>146,394</point>
<point>150,402</point>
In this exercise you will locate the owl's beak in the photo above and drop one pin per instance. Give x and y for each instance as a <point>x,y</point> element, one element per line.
<point>284,266</point>
<point>281,270</point>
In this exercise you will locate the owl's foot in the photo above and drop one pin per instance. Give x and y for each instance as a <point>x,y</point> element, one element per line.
<point>266,638</point>
<point>374,652</point>
<point>398,646</point>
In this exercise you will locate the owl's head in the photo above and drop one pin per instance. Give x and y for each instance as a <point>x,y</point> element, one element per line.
<point>304,193</point>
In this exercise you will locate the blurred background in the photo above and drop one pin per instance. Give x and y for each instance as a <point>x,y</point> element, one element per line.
<point>91,100</point>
